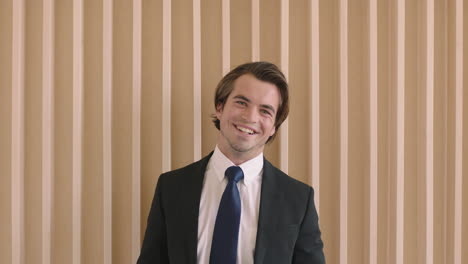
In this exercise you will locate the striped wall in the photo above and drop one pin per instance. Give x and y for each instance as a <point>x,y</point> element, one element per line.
<point>97,98</point>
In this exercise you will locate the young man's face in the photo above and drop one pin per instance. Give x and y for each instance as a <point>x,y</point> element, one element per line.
<point>247,119</point>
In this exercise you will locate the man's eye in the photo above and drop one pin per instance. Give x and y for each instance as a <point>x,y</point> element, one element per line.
<point>241,103</point>
<point>266,112</point>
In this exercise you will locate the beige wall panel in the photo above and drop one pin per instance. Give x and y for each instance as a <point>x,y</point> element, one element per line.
<point>107,78</point>
<point>358,146</point>
<point>77,133</point>
<point>299,68</point>
<point>384,90</point>
<point>17,136</point>
<point>47,155</point>
<point>389,179</point>
<point>122,133</point>
<point>440,133</point>
<point>62,215</point>
<point>255,19</point>
<point>226,35</point>
<point>397,139</point>
<point>270,48</point>
<point>413,139</point>
<point>371,238</point>
<point>5,130</point>
<point>151,111</point>
<point>182,87</point>
<point>314,97</point>
<point>451,75</point>
<point>93,219</point>
<point>429,132</point>
<point>451,132</point>
<point>136,128</point>
<point>197,89</point>
<point>167,85</point>
<point>241,32</point>
<point>211,68</point>
<point>465,177</point>
<point>464,236</point>
<point>33,135</point>
<point>329,128</point>
<point>284,65</point>
<point>422,129</point>
<point>344,129</point>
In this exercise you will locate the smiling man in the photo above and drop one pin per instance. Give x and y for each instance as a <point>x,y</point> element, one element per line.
<point>233,206</point>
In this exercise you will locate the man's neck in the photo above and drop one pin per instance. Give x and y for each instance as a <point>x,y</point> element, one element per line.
<point>237,157</point>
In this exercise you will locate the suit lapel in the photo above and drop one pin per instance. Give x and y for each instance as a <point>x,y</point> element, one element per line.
<point>194,187</point>
<point>270,195</point>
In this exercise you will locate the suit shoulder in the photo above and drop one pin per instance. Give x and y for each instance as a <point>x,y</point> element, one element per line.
<point>287,181</point>
<point>194,168</point>
<point>183,170</point>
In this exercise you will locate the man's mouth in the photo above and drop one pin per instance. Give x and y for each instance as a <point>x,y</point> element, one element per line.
<point>245,130</point>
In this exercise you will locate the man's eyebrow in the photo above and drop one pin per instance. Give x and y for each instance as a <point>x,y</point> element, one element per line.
<point>269,107</point>
<point>242,97</point>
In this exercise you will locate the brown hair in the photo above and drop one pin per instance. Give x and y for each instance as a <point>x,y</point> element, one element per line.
<point>263,71</point>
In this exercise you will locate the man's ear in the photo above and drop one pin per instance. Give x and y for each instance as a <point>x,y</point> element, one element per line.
<point>219,110</point>
<point>273,131</point>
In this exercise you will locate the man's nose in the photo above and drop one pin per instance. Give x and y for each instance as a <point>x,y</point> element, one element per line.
<point>250,114</point>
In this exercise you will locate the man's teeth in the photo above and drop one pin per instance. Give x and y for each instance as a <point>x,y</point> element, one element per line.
<point>246,130</point>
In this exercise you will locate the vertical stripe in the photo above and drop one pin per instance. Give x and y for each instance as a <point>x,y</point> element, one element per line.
<point>400,130</point>
<point>343,131</point>
<point>446,200</point>
<point>47,127</point>
<point>373,111</point>
<point>226,37</point>
<point>430,132</point>
<point>17,134</point>
<point>136,128</point>
<point>197,109</point>
<point>255,30</point>
<point>458,197</point>
<point>107,129</point>
<point>77,128</point>
<point>284,135</point>
<point>315,100</point>
<point>166,87</point>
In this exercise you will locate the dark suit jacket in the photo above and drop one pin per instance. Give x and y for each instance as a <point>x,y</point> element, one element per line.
<point>288,229</point>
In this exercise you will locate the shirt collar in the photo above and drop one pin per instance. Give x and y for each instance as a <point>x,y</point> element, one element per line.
<point>252,168</point>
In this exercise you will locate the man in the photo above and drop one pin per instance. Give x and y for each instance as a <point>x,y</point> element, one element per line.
<point>233,206</point>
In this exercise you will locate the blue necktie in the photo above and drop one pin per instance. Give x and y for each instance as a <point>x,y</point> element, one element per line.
<point>226,230</point>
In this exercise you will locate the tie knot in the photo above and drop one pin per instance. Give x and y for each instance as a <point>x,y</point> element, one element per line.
<point>234,173</point>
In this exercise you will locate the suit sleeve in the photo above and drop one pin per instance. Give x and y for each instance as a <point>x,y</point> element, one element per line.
<point>154,249</point>
<point>309,245</point>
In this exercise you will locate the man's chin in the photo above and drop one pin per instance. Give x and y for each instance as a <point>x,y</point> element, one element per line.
<point>241,148</point>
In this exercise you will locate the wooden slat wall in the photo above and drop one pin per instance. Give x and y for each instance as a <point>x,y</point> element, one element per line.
<point>344,130</point>
<point>107,77</point>
<point>136,128</point>
<point>459,140</point>
<point>166,85</point>
<point>77,130</point>
<point>17,133</point>
<point>197,118</point>
<point>314,99</point>
<point>125,91</point>
<point>399,241</point>
<point>47,128</point>
<point>373,133</point>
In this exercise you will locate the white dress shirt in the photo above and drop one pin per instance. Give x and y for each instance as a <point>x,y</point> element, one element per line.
<point>213,187</point>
